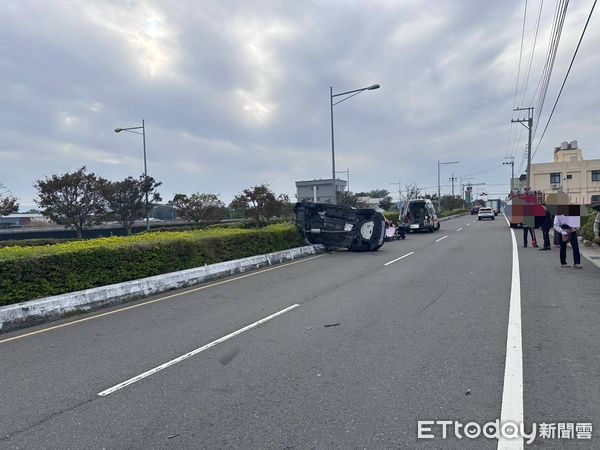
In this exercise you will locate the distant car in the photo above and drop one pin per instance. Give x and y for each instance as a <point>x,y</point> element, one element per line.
<point>418,215</point>
<point>474,210</point>
<point>486,213</point>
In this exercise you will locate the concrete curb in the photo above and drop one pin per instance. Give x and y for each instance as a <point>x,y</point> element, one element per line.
<point>44,309</point>
<point>590,253</point>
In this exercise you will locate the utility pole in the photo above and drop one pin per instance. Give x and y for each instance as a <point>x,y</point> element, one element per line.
<point>463,185</point>
<point>399,191</point>
<point>511,163</point>
<point>470,190</point>
<point>347,172</point>
<point>453,179</point>
<point>529,126</point>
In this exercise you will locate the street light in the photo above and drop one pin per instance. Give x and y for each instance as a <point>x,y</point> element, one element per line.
<point>143,133</point>
<point>348,94</point>
<point>442,164</point>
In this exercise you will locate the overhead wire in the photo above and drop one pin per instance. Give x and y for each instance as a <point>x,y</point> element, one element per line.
<point>566,77</point>
<point>551,59</point>
<point>553,42</point>
<point>509,146</point>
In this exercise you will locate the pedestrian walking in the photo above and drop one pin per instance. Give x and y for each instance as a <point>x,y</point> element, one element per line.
<point>546,226</point>
<point>567,227</point>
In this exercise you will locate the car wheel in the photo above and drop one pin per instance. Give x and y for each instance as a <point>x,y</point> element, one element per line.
<point>479,218</point>
<point>493,218</point>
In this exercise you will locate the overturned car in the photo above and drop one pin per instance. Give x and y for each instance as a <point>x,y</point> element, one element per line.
<point>340,226</point>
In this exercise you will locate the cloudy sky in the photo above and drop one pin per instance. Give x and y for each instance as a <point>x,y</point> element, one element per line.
<point>236,92</point>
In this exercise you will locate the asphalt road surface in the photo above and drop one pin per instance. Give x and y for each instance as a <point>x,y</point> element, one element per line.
<point>342,350</point>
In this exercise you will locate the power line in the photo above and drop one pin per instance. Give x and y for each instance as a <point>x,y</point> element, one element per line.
<point>518,69</point>
<point>559,22</point>
<point>537,27</point>
<point>566,76</point>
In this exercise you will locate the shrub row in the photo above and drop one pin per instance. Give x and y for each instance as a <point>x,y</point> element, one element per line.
<point>452,212</point>
<point>33,242</point>
<point>31,272</point>
<point>587,229</point>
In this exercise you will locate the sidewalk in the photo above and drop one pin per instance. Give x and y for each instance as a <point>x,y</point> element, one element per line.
<point>592,254</point>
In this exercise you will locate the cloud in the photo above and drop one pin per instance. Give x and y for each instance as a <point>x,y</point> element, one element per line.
<point>236,93</point>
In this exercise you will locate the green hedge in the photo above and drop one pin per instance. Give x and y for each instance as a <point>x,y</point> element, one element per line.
<point>32,272</point>
<point>587,230</point>
<point>392,216</point>
<point>33,242</point>
<point>453,212</point>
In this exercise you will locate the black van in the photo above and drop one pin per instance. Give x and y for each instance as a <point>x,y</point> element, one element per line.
<point>340,226</point>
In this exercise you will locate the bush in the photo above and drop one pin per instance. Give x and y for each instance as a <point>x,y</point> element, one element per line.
<point>392,216</point>
<point>453,212</point>
<point>32,272</point>
<point>587,230</point>
<point>33,242</point>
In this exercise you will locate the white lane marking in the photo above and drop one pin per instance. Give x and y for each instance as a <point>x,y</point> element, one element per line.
<point>192,353</point>
<point>398,259</point>
<point>443,237</point>
<point>512,393</point>
<point>469,224</point>
<point>229,280</point>
<point>460,229</point>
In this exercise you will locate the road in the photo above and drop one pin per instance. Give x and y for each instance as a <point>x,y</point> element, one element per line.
<point>365,345</point>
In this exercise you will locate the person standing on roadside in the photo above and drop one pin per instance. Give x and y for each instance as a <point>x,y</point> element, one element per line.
<point>546,225</point>
<point>567,226</point>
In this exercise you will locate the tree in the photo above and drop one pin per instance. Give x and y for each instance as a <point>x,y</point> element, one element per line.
<point>8,203</point>
<point>199,207</point>
<point>347,198</point>
<point>126,199</point>
<point>259,203</point>
<point>378,193</point>
<point>73,199</point>
<point>412,191</point>
<point>449,202</point>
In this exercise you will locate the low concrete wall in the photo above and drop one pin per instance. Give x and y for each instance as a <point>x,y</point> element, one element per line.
<point>45,309</point>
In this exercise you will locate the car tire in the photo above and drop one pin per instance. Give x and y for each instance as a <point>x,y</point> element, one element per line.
<point>493,218</point>
<point>431,229</point>
<point>479,218</point>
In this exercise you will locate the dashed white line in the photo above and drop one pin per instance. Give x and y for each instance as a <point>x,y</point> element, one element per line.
<point>460,229</point>
<point>469,224</point>
<point>443,237</point>
<point>398,259</point>
<point>512,393</point>
<point>192,353</point>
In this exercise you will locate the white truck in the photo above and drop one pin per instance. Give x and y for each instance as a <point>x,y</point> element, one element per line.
<point>495,204</point>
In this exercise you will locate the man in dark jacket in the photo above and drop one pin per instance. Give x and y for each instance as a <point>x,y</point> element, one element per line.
<point>547,224</point>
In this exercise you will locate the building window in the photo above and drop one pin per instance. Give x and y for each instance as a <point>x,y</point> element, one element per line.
<point>595,175</point>
<point>555,178</point>
<point>595,198</point>
<point>569,177</point>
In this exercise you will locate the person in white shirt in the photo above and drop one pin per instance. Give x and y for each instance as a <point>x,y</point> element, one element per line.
<point>567,227</point>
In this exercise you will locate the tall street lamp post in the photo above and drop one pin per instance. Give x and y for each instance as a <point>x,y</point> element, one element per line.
<point>347,95</point>
<point>143,133</point>
<point>438,165</point>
